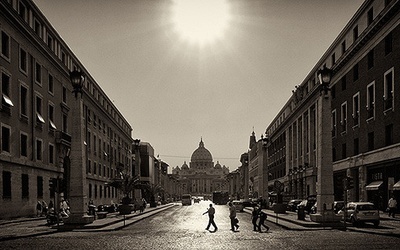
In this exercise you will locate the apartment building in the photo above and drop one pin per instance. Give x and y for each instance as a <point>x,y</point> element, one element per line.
<point>36,117</point>
<point>364,122</point>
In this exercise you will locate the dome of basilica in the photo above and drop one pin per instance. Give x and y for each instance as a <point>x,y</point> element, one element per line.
<point>201,154</point>
<point>184,166</point>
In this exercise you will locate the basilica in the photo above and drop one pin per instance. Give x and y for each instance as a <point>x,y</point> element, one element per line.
<point>201,177</point>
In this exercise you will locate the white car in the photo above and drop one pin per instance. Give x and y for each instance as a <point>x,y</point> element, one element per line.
<point>360,212</point>
<point>238,204</point>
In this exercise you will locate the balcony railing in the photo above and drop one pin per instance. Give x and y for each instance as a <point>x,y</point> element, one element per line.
<point>63,138</point>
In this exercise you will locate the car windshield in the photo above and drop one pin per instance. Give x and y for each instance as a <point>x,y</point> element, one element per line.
<point>366,207</point>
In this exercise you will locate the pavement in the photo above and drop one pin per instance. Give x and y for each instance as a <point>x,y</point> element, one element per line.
<point>31,227</point>
<point>388,226</point>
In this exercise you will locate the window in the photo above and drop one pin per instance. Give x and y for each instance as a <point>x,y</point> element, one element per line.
<point>90,191</point>
<point>356,109</point>
<point>25,186</point>
<point>333,59</point>
<point>388,43</point>
<point>343,47</point>
<point>370,141</point>
<point>343,117</point>
<point>344,81</point>
<point>5,88</point>
<point>370,15</point>
<point>38,73</point>
<point>5,139</point>
<point>333,91</point>
<point>23,13</point>
<point>39,117</point>
<point>344,151</point>
<point>6,185</point>
<point>24,145</point>
<point>39,183</point>
<point>39,149</point>
<point>51,153</point>
<point>50,42</point>
<point>52,125</point>
<point>94,168</point>
<point>23,60</point>
<point>370,58</point>
<point>371,100</point>
<point>37,27</point>
<point>5,45</point>
<point>356,146</point>
<point>388,89</point>
<point>64,94</point>
<point>64,123</point>
<point>355,72</point>
<point>63,58</point>
<point>388,134</point>
<point>355,33</point>
<point>51,84</point>
<point>334,123</point>
<point>89,166</point>
<point>23,101</point>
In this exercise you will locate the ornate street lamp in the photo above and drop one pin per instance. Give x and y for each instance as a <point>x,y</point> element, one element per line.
<point>77,78</point>
<point>324,76</point>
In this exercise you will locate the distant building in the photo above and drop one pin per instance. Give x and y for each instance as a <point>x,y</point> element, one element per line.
<point>202,177</point>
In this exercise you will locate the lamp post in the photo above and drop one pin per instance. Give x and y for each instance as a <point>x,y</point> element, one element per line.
<point>136,146</point>
<point>265,141</point>
<point>325,191</point>
<point>77,180</point>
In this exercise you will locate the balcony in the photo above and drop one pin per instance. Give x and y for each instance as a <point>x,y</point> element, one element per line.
<point>63,138</point>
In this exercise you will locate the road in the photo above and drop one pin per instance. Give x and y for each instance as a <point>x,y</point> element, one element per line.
<point>183,227</point>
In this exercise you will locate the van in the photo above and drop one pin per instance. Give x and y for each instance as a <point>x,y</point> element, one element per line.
<point>186,199</point>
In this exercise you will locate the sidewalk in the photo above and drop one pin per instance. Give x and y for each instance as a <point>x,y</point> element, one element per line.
<point>388,226</point>
<point>28,227</point>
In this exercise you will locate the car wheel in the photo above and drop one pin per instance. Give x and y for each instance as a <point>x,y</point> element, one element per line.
<point>376,223</point>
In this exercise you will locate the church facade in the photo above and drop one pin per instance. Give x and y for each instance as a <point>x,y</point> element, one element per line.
<point>201,177</point>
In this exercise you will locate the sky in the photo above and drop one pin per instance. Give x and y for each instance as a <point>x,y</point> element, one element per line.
<point>180,72</point>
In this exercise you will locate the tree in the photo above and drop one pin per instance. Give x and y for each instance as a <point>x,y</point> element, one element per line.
<point>126,184</point>
<point>151,191</point>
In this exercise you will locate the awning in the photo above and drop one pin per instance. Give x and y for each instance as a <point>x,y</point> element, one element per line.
<point>396,186</point>
<point>374,185</point>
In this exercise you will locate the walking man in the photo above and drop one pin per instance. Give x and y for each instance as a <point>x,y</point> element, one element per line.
<point>211,211</point>
<point>232,216</point>
<point>392,205</point>
<point>263,217</point>
<point>254,218</point>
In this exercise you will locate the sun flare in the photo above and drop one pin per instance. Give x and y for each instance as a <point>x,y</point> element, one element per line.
<point>201,21</point>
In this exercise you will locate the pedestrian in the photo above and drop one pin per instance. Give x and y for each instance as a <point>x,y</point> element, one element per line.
<point>254,218</point>
<point>51,205</point>
<point>232,216</point>
<point>392,205</point>
<point>263,217</point>
<point>38,209</point>
<point>211,212</point>
<point>44,208</point>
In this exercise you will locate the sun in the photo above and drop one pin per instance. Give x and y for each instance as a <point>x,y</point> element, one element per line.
<point>201,21</point>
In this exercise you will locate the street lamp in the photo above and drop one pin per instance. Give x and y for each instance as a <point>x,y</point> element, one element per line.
<point>265,141</point>
<point>77,175</point>
<point>136,146</point>
<point>77,78</point>
<point>324,76</point>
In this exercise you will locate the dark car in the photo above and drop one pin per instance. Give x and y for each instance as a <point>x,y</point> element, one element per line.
<point>337,206</point>
<point>308,203</point>
<point>292,205</point>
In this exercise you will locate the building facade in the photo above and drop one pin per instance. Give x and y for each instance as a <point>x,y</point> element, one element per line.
<point>37,118</point>
<point>202,177</point>
<point>364,114</point>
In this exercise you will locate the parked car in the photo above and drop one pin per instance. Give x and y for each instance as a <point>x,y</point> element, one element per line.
<point>248,203</point>
<point>307,204</point>
<point>337,206</point>
<point>360,212</point>
<point>292,205</point>
<point>196,200</point>
<point>238,204</point>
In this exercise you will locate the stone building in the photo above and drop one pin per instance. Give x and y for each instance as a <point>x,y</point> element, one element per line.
<point>201,177</point>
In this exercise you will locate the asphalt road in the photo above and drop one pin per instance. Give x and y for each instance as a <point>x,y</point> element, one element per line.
<point>183,227</point>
